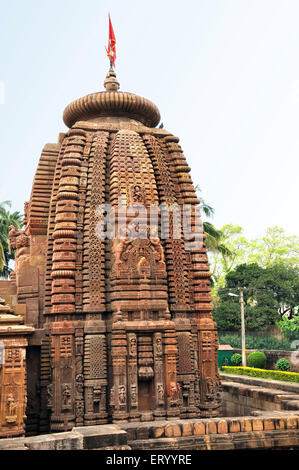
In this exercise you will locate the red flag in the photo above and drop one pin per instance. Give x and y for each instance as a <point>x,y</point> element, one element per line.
<point>111,51</point>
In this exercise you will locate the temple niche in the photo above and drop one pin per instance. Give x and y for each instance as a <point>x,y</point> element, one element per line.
<point>122,327</point>
<point>13,393</point>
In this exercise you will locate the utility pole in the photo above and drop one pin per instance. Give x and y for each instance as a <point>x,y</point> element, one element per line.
<point>241,289</point>
<point>241,300</point>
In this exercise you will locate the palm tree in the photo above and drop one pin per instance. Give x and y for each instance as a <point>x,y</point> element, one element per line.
<point>214,238</point>
<point>6,219</point>
<point>213,235</point>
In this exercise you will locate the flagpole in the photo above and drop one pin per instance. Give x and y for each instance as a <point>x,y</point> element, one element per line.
<point>111,45</point>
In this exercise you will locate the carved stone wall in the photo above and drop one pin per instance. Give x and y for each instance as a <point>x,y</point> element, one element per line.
<point>124,326</point>
<point>12,388</point>
<point>13,393</point>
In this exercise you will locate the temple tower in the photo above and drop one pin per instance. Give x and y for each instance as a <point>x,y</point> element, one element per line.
<point>123,324</point>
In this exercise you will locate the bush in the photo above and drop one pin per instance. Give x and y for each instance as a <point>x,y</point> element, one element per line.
<point>282,364</point>
<point>257,360</point>
<point>264,374</point>
<point>236,359</point>
<point>290,328</point>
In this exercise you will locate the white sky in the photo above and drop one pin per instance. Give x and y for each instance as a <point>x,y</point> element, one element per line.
<point>224,74</point>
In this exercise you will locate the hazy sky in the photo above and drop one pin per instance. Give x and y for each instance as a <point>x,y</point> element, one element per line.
<point>224,74</point>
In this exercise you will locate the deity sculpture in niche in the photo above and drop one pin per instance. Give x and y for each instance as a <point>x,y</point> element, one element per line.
<point>122,396</point>
<point>66,396</point>
<point>11,409</point>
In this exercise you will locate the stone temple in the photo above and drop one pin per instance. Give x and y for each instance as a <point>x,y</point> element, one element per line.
<point>114,330</point>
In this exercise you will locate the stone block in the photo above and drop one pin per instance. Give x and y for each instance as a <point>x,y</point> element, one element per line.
<point>143,432</point>
<point>211,427</point>
<point>68,441</point>
<point>222,427</point>
<point>245,425</point>
<point>234,425</point>
<point>290,404</point>
<point>172,430</point>
<point>199,428</point>
<point>187,429</point>
<point>291,422</point>
<point>157,432</point>
<point>20,309</point>
<point>96,437</point>
<point>257,425</point>
<point>46,442</point>
<point>280,423</point>
<point>269,424</point>
<point>17,443</point>
<point>116,448</point>
<point>131,434</point>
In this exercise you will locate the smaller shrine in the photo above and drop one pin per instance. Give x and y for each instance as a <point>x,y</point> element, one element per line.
<point>13,345</point>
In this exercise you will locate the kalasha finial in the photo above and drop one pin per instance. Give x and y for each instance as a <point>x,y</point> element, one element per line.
<point>111,83</point>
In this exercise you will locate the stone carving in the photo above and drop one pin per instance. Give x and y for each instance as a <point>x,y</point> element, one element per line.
<point>22,241</point>
<point>185,353</point>
<point>132,345</point>
<point>144,268</point>
<point>66,397</point>
<point>13,355</point>
<point>97,394</point>
<point>96,349</point>
<point>12,407</point>
<point>50,396</point>
<point>26,213</point>
<point>19,241</point>
<point>80,383</point>
<point>122,395</point>
<point>66,346</point>
<point>159,250</point>
<point>158,346</point>
<point>79,409</point>
<point>134,400</point>
<point>123,320</point>
<point>160,394</point>
<point>112,397</point>
<point>13,234</point>
<point>119,247</point>
<point>137,194</point>
<point>94,288</point>
<point>211,389</point>
<point>174,393</point>
<point>141,258</point>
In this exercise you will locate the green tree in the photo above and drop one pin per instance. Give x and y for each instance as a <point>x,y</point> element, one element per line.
<point>266,291</point>
<point>274,247</point>
<point>290,327</point>
<point>213,235</point>
<point>281,282</point>
<point>6,219</point>
<point>222,262</point>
